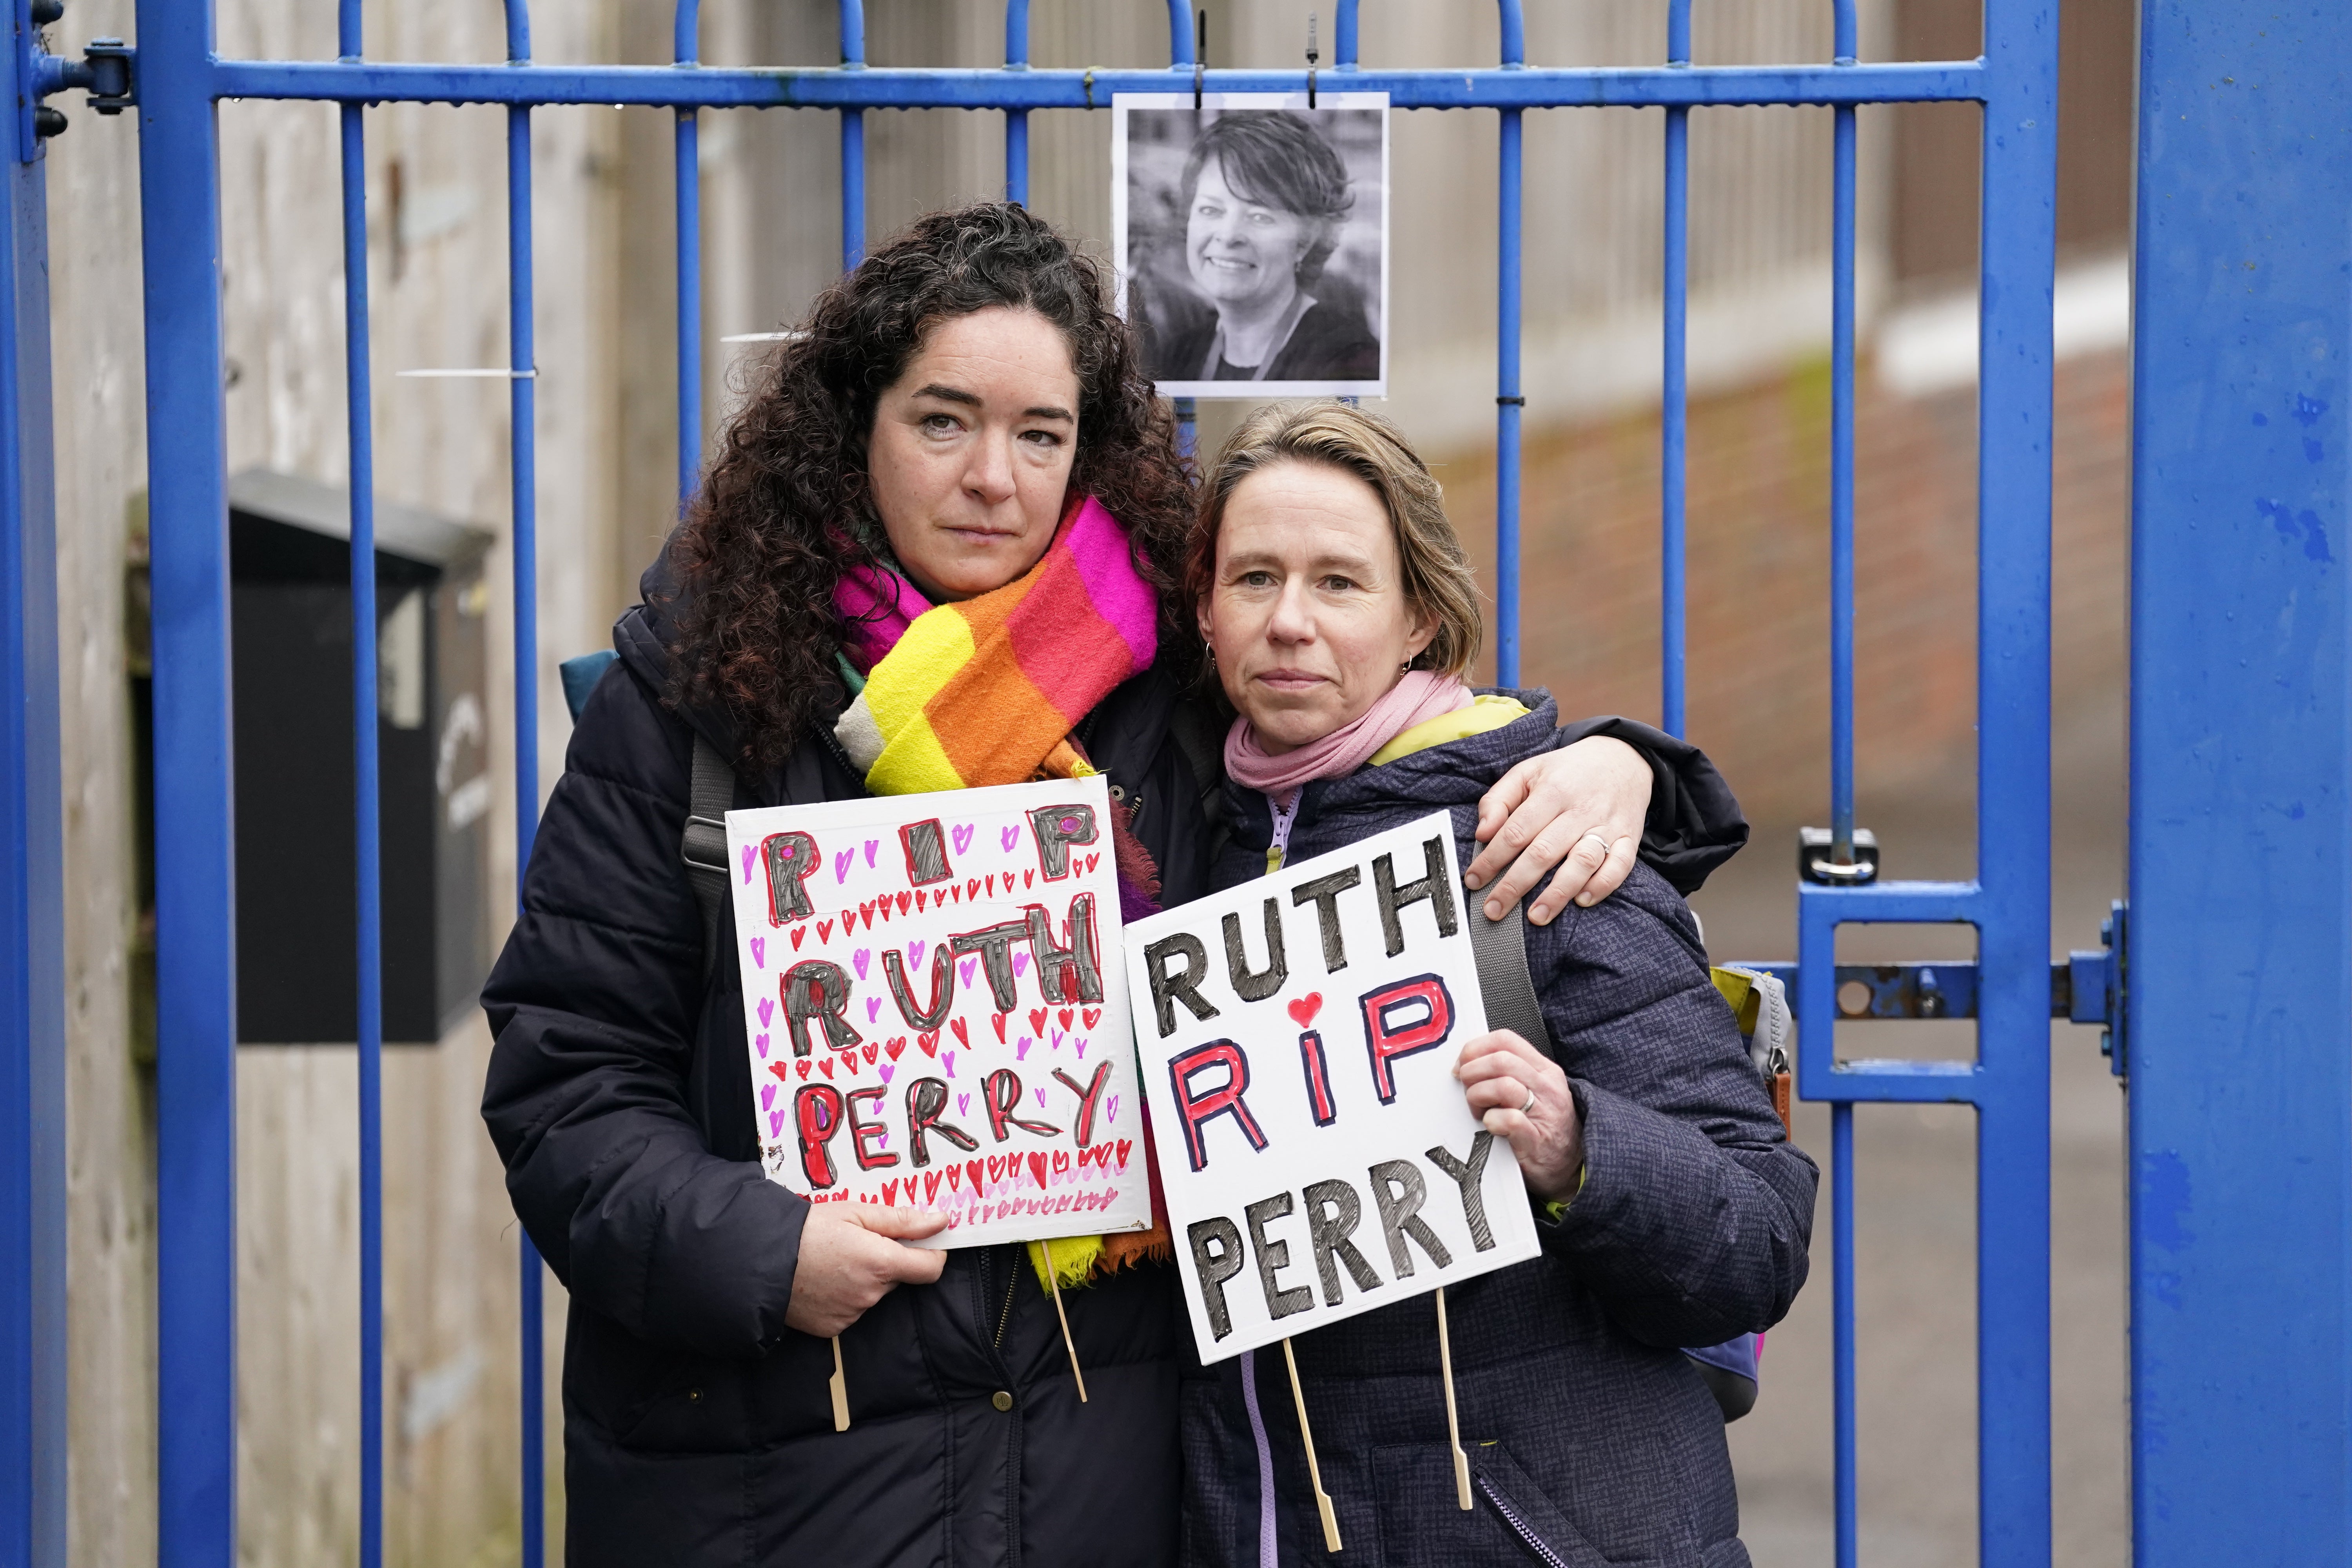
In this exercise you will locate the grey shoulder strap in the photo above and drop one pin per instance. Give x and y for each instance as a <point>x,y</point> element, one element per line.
<point>703,845</point>
<point>1500,948</point>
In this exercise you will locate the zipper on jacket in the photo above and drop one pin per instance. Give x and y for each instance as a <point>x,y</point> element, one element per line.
<point>1520,1525</point>
<point>1005,1316</point>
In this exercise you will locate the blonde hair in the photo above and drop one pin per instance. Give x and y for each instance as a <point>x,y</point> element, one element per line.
<point>1437,576</point>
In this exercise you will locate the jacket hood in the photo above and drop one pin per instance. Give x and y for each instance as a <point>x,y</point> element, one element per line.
<point>647,632</point>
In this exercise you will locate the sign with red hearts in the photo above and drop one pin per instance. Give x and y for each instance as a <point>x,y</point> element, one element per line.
<point>1297,1036</point>
<point>981,927</point>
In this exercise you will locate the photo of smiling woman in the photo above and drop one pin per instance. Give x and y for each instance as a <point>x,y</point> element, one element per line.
<point>1253,242</point>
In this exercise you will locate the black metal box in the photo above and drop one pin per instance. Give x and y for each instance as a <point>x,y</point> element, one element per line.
<point>296,878</point>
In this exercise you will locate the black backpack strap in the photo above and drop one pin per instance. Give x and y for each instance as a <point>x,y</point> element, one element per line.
<point>1500,948</point>
<point>703,845</point>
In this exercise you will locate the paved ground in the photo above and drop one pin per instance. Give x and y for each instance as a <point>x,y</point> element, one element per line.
<point>1916,1261</point>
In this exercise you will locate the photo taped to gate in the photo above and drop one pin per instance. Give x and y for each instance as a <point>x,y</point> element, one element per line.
<point>1251,235</point>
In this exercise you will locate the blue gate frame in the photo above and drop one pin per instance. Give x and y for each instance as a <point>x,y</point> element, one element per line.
<point>180,84</point>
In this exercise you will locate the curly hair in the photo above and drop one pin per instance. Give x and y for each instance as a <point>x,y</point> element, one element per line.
<point>786,507</point>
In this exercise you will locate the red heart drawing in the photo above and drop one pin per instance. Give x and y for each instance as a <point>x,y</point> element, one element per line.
<point>971,1172</point>
<point>955,1177</point>
<point>1125,1144</point>
<point>919,902</point>
<point>989,883</point>
<point>1027,877</point>
<point>824,931</point>
<point>1037,1019</point>
<point>996,1167</point>
<point>929,1040</point>
<point>1037,1168</point>
<point>889,1193</point>
<point>1061,1161</point>
<point>848,921</point>
<point>803,1065</point>
<point>972,888</point>
<point>781,1070</point>
<point>798,932</point>
<point>825,1067</point>
<point>931,1185</point>
<point>1093,1015</point>
<point>898,1043</point>
<point>1303,1010</point>
<point>1062,1016</point>
<point>962,1035</point>
<point>903,900</point>
<point>1089,866</point>
<point>999,1021</point>
<point>872,1051</point>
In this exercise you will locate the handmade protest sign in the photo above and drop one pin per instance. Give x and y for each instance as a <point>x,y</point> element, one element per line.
<point>936,1011</point>
<point>1297,1036</point>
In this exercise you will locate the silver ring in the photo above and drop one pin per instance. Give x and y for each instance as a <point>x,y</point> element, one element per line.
<point>1595,833</point>
<point>1530,1105</point>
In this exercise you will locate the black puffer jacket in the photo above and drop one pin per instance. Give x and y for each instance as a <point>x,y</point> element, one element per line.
<point>697,1429</point>
<point>1589,1436</point>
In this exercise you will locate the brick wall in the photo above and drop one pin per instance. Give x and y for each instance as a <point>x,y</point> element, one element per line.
<point>1759,621</point>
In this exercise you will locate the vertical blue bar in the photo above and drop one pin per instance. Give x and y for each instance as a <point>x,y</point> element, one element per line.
<point>1842,1175</point>
<point>1188,414</point>
<point>33,1417</point>
<point>1343,36</point>
<point>1675,401</point>
<point>1841,497</point>
<point>2241,856</point>
<point>367,843</point>
<point>195,819</point>
<point>690,275</point>
<point>522,363</point>
<point>689,309</point>
<point>1179,33</point>
<point>1508,406</point>
<point>1016,121</point>
<point>2020,261</point>
<point>853,142</point>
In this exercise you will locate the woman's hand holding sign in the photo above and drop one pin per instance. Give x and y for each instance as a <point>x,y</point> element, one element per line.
<point>1521,1095</point>
<point>852,1255</point>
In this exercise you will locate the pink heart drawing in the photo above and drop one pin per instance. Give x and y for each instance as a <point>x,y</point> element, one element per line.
<point>1082,1049</point>
<point>1019,964</point>
<point>963,1105</point>
<point>962,836</point>
<point>841,864</point>
<point>768,1097</point>
<point>886,1069</point>
<point>915,953</point>
<point>750,859</point>
<point>861,959</point>
<point>1111,1110</point>
<point>763,1046</point>
<point>1021,1051</point>
<point>1058,1037</point>
<point>1011,836</point>
<point>760,952</point>
<point>775,1124</point>
<point>963,970</point>
<point>873,1008</point>
<point>948,1059</point>
<point>871,845</point>
<point>1041,1099</point>
<point>767,1010</point>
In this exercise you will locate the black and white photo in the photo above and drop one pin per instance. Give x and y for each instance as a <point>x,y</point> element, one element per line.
<point>1251,241</point>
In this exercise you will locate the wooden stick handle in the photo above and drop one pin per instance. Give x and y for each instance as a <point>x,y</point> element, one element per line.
<point>1053,1282</point>
<point>1314,1470</point>
<point>1452,1422</point>
<point>840,1387</point>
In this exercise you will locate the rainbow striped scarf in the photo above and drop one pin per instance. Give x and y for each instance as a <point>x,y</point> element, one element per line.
<point>987,691</point>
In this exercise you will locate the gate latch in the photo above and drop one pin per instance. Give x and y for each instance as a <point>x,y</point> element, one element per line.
<point>2088,988</point>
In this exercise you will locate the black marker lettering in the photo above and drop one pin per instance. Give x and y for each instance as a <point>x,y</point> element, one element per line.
<point>1436,886</point>
<point>1470,1178</point>
<point>1332,1210</point>
<point>1183,986</point>
<point>1324,892</point>
<point>1399,1192</point>
<point>1273,1256</point>
<point>1216,1257</point>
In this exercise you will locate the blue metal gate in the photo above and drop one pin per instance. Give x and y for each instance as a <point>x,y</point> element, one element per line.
<point>181,84</point>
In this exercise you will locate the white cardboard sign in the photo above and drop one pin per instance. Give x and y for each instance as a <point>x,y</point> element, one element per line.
<point>936,1011</point>
<point>1297,1038</point>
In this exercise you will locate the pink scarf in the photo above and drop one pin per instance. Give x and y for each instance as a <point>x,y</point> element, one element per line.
<point>1417,697</point>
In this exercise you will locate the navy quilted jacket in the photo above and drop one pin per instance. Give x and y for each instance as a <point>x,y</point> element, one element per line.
<point>698,1430</point>
<point>1591,1438</point>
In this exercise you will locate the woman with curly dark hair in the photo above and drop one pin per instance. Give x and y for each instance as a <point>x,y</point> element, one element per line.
<point>938,548</point>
